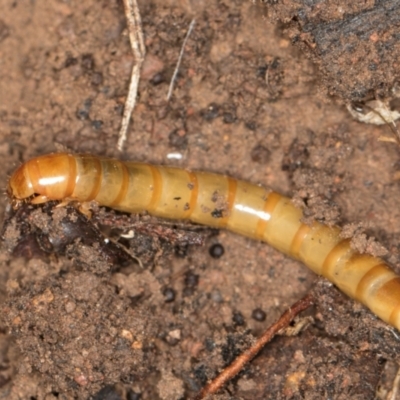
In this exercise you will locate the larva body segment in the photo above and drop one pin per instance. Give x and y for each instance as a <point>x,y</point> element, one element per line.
<point>217,201</point>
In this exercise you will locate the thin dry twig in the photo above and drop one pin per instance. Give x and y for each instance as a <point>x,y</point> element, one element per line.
<point>178,64</point>
<point>137,44</point>
<point>237,365</point>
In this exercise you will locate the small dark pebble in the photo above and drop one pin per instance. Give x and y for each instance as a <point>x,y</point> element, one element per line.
<point>157,79</point>
<point>381,360</point>
<point>191,279</point>
<point>200,373</point>
<point>251,125</point>
<point>296,156</point>
<point>211,112</point>
<point>260,154</point>
<point>258,315</point>
<point>216,250</point>
<point>83,112</point>
<point>133,395</point>
<point>210,345</point>
<point>97,124</point>
<point>169,294</point>
<point>191,282</point>
<point>128,378</point>
<point>229,118</point>
<point>237,318</point>
<point>181,251</point>
<point>70,61</point>
<point>107,393</point>
<point>87,62</point>
<point>192,383</point>
<point>261,71</point>
<point>275,63</point>
<point>177,139</point>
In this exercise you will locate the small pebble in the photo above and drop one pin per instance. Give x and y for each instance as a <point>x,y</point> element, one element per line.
<point>216,250</point>
<point>191,282</point>
<point>134,396</point>
<point>83,112</point>
<point>173,337</point>
<point>251,125</point>
<point>87,62</point>
<point>157,78</point>
<point>191,279</point>
<point>229,118</point>
<point>97,124</point>
<point>238,319</point>
<point>70,61</point>
<point>107,393</point>
<point>169,295</point>
<point>178,139</point>
<point>258,315</point>
<point>260,154</point>
<point>211,112</point>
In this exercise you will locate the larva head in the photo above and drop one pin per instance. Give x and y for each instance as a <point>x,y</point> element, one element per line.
<point>19,186</point>
<point>47,177</point>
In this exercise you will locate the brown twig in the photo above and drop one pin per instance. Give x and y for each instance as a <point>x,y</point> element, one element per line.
<point>232,370</point>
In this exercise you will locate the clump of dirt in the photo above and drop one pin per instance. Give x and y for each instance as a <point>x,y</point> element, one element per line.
<point>348,41</point>
<point>79,333</point>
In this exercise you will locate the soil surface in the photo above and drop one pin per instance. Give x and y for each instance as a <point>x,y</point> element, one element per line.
<point>157,311</point>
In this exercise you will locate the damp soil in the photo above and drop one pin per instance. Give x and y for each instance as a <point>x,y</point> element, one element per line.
<point>132,307</point>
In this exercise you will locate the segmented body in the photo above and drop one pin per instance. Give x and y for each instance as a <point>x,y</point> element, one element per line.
<point>217,201</point>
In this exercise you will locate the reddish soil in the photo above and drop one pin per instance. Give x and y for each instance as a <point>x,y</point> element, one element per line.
<point>81,321</point>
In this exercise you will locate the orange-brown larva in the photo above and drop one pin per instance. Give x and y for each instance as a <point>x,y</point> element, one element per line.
<point>217,201</point>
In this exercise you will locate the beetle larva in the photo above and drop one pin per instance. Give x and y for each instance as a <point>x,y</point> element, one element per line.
<point>217,201</point>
